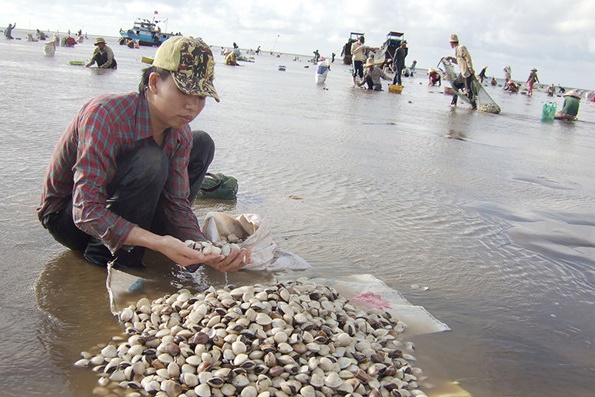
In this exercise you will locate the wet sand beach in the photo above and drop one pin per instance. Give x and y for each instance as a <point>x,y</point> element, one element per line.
<point>494,214</point>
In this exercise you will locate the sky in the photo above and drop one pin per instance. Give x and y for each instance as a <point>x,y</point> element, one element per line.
<point>555,37</point>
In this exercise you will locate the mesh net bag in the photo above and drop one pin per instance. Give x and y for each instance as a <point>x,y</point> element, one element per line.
<point>485,103</point>
<point>218,186</point>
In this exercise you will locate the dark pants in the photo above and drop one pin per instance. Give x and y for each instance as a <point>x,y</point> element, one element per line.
<point>358,69</point>
<point>134,194</point>
<point>398,74</point>
<point>371,85</point>
<point>466,82</point>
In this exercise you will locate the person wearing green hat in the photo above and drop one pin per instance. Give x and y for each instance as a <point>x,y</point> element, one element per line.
<point>102,55</point>
<point>126,170</point>
<point>570,106</point>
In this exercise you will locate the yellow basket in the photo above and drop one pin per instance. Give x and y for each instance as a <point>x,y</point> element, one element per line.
<point>396,89</point>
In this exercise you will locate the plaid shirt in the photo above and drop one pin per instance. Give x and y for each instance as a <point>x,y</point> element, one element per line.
<point>84,162</point>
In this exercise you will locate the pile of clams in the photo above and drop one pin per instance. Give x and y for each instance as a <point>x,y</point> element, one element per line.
<point>296,338</point>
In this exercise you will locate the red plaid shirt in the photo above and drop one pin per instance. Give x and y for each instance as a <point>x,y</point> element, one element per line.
<point>84,162</point>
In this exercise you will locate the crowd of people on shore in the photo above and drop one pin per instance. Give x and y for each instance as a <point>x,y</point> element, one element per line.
<point>367,72</point>
<point>65,41</point>
<point>98,202</point>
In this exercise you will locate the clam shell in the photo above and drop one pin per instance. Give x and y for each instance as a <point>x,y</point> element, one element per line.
<point>291,338</point>
<point>333,380</point>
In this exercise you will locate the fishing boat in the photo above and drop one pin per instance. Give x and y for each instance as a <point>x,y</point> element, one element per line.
<point>145,32</point>
<point>392,43</point>
<point>389,47</point>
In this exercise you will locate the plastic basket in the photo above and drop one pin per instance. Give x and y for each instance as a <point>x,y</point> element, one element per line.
<point>549,111</point>
<point>395,89</point>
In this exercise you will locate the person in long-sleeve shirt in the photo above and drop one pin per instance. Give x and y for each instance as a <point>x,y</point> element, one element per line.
<point>466,72</point>
<point>400,56</point>
<point>103,55</point>
<point>372,76</point>
<point>126,170</point>
<point>358,56</point>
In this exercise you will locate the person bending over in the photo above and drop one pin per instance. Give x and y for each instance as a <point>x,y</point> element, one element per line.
<point>126,170</point>
<point>465,78</point>
<point>372,76</point>
<point>103,55</point>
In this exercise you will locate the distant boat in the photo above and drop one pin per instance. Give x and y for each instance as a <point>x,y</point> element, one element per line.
<point>281,68</point>
<point>389,47</point>
<point>146,33</point>
<point>346,52</point>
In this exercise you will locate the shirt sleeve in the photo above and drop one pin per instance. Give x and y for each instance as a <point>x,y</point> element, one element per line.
<point>94,167</point>
<point>110,57</point>
<point>94,56</point>
<point>182,222</point>
<point>467,59</point>
<point>357,49</point>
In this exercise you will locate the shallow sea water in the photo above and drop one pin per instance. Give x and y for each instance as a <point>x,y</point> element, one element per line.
<point>495,214</point>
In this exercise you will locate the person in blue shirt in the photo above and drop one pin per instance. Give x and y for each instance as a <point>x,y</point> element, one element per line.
<point>8,31</point>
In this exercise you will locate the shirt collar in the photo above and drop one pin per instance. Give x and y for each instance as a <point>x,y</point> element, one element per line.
<point>143,118</point>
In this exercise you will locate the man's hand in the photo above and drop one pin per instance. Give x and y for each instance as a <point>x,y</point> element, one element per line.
<point>233,262</point>
<point>183,255</point>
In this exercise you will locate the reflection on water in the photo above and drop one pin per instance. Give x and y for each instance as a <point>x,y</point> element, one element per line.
<point>493,213</point>
<point>73,299</point>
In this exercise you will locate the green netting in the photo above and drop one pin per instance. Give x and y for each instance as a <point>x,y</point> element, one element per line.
<point>219,186</point>
<point>485,103</point>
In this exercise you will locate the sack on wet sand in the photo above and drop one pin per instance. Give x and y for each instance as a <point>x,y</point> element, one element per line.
<point>369,292</point>
<point>251,231</point>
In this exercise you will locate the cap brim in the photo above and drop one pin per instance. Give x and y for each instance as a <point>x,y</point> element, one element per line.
<point>204,89</point>
<point>199,88</point>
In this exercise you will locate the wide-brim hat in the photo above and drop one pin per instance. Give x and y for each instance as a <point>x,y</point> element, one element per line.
<point>99,40</point>
<point>369,62</point>
<point>454,38</point>
<point>191,64</point>
<point>573,93</point>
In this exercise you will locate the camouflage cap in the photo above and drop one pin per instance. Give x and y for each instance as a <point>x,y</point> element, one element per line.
<point>191,62</point>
